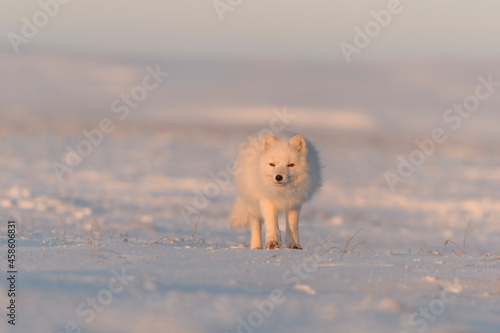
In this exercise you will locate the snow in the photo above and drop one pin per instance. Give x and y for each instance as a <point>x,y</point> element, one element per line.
<point>152,266</point>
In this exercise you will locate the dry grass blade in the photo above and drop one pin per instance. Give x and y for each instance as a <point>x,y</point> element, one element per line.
<point>460,251</point>
<point>91,229</point>
<point>196,225</point>
<point>326,240</point>
<point>367,250</point>
<point>488,256</point>
<point>446,242</point>
<point>345,249</point>
<point>346,246</point>
<point>467,233</point>
<point>162,237</point>
<point>150,238</point>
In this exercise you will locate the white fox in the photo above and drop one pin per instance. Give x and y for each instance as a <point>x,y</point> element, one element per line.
<point>274,173</point>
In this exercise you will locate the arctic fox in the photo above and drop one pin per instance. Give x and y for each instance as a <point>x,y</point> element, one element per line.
<point>275,173</point>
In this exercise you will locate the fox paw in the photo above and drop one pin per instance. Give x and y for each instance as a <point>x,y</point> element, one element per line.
<point>295,246</point>
<point>272,245</point>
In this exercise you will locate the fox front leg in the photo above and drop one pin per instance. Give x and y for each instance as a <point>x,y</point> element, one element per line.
<point>255,234</point>
<point>292,229</point>
<point>270,214</point>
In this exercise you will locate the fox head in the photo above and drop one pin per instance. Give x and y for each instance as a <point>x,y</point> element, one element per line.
<point>283,162</point>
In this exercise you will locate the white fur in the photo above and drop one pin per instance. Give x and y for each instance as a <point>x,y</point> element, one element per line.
<point>261,196</point>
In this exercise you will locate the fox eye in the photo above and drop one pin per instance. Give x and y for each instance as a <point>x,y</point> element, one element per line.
<point>290,165</point>
<point>272,164</point>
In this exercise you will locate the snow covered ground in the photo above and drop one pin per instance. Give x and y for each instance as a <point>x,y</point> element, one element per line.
<point>152,266</point>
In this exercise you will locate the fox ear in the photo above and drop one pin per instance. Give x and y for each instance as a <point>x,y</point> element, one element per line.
<point>298,143</point>
<point>268,142</point>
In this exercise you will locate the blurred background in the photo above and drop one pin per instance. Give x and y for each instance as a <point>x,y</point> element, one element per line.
<point>233,63</point>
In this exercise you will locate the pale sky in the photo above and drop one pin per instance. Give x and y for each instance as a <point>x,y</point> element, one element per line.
<point>290,29</point>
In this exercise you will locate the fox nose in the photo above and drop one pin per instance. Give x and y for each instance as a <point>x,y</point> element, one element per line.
<point>279,178</point>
